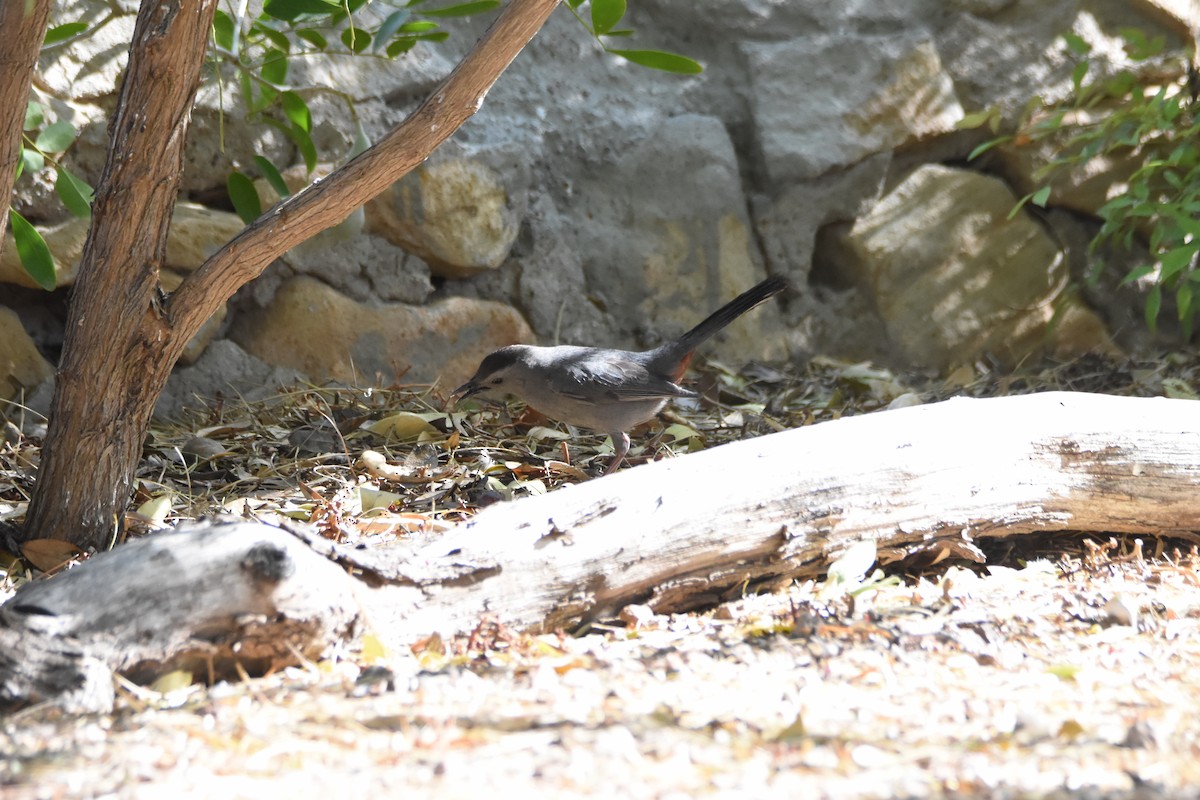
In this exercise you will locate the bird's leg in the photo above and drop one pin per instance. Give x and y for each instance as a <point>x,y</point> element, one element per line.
<point>620,448</point>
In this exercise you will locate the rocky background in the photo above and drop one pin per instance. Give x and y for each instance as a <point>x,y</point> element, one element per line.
<point>593,201</point>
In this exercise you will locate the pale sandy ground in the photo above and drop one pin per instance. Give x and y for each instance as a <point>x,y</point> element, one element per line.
<point>1023,683</point>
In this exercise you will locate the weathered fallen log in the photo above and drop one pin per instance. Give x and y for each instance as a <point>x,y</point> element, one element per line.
<point>675,534</point>
<point>682,532</point>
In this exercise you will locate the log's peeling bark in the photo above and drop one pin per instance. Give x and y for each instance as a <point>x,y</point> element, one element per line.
<point>675,534</point>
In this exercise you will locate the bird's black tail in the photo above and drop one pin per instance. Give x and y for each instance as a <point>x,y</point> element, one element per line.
<point>727,314</point>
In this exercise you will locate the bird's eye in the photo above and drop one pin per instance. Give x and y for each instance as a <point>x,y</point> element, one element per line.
<point>497,381</point>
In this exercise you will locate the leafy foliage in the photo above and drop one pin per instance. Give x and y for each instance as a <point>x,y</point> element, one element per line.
<point>43,142</point>
<point>604,18</point>
<point>260,51</point>
<point>1156,126</point>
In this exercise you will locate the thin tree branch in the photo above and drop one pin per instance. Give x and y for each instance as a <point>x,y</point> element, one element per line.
<point>329,201</point>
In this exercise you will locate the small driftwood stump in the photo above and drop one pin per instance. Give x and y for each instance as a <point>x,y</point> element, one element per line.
<point>199,598</point>
<point>675,534</point>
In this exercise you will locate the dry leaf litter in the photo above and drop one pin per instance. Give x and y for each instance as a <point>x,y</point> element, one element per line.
<point>1064,668</point>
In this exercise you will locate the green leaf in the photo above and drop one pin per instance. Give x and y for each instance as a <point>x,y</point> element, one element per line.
<point>223,30</point>
<point>301,139</point>
<point>74,192</point>
<point>1189,225</point>
<point>57,137</point>
<point>32,249</point>
<point>988,145</point>
<point>1016,209</point>
<point>1137,273</point>
<point>975,119</point>
<point>1138,46</point>
<point>276,38</point>
<point>304,144</point>
<point>273,176</point>
<point>1183,299</point>
<point>462,9</point>
<point>660,60</point>
<point>606,14</point>
<point>356,39</point>
<point>243,196</point>
<point>275,67</point>
<point>1076,45</point>
<point>313,37</point>
<point>1175,261</point>
<point>289,10</point>
<point>1040,197</point>
<point>393,23</point>
<point>31,160</point>
<point>1153,305</point>
<point>297,110</point>
<point>34,115</point>
<point>1078,74</point>
<point>418,26</point>
<point>399,46</point>
<point>61,33</point>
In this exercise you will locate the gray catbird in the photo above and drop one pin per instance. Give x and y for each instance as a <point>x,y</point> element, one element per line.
<point>605,390</point>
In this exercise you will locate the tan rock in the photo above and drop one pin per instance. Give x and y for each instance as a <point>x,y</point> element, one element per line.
<point>65,241</point>
<point>677,301</point>
<point>455,214</point>
<point>327,336</point>
<point>196,233</point>
<point>954,279</point>
<point>22,367</point>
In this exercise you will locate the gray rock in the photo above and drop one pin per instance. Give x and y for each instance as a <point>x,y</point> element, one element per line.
<point>826,102</point>
<point>224,368</point>
<point>669,239</point>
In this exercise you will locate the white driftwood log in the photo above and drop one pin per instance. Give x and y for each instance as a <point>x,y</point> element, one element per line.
<point>676,534</point>
<point>689,529</point>
<point>200,598</point>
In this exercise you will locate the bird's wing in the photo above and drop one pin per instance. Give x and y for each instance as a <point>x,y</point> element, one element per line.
<point>593,378</point>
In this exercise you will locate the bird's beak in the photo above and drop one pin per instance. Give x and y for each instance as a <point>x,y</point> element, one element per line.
<point>467,390</point>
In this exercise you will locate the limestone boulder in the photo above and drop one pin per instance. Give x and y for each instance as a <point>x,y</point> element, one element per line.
<point>955,280</point>
<point>325,335</point>
<point>669,240</point>
<point>826,102</point>
<point>458,214</point>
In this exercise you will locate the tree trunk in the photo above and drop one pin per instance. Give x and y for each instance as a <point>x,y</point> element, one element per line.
<point>113,364</point>
<point>123,337</point>
<point>24,26</point>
